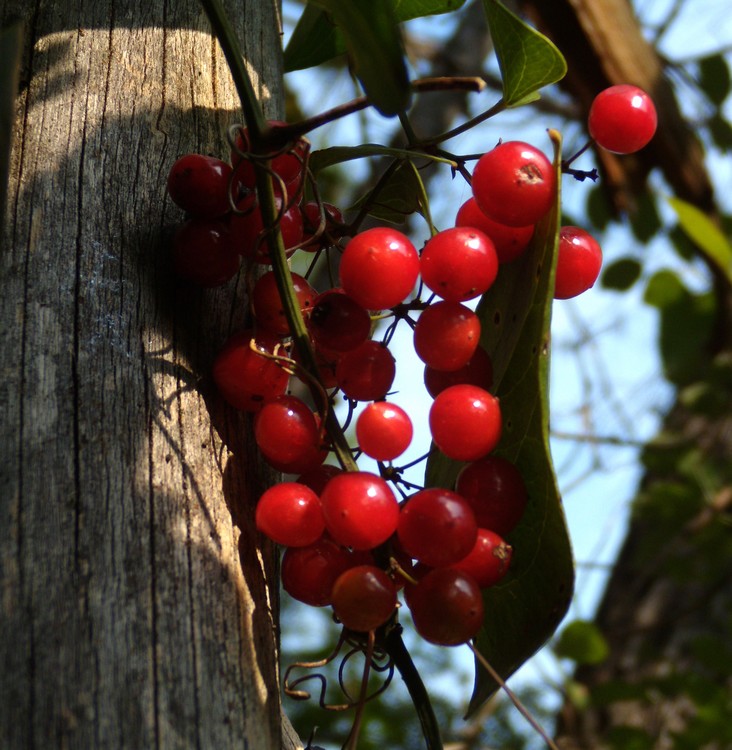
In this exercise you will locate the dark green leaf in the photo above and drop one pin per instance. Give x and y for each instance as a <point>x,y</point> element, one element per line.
<point>705,234</point>
<point>527,59</point>
<point>327,157</point>
<point>621,275</point>
<point>398,197</point>
<point>316,40</point>
<point>582,642</point>
<point>598,207</point>
<point>11,46</point>
<point>721,132</point>
<point>527,606</point>
<point>714,78</point>
<point>645,221</point>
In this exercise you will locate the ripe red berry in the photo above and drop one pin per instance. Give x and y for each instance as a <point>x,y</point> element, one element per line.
<point>622,119</point>
<point>488,561</point>
<point>437,527</point>
<point>446,335</point>
<point>360,509</point>
<point>514,184</point>
<point>318,477</point>
<point>379,268</point>
<point>459,264</point>
<point>285,430</point>
<point>204,252</point>
<point>308,573</point>
<point>200,185</point>
<point>267,303</point>
<point>478,371</point>
<point>496,492</point>
<point>579,260</point>
<point>509,242</point>
<point>366,373</point>
<point>465,422</point>
<point>290,514</point>
<point>247,229</point>
<point>337,322</point>
<point>244,376</point>
<point>364,597</point>
<point>383,431</point>
<point>446,606</point>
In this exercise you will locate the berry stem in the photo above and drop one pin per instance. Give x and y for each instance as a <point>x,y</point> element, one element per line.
<point>399,654</point>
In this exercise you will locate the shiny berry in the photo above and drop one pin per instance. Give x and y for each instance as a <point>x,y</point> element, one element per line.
<point>622,119</point>
<point>465,422</point>
<point>290,514</point>
<point>488,562</point>
<point>379,268</point>
<point>383,430</point>
<point>446,335</point>
<point>308,573</point>
<point>200,185</point>
<point>514,184</point>
<point>285,430</point>
<point>579,260</point>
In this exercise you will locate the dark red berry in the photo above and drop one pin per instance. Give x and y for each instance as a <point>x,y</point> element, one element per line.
<point>488,561</point>
<point>446,335</point>
<point>337,322</point>
<point>308,573</point>
<point>478,371</point>
<point>200,185</point>
<point>267,303</point>
<point>364,597</point>
<point>290,514</point>
<point>366,373</point>
<point>204,252</point>
<point>285,430</point>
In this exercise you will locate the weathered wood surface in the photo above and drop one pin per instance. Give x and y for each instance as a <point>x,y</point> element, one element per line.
<point>135,608</point>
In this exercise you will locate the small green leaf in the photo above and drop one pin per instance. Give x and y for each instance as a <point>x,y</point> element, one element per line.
<point>397,198</point>
<point>705,234</point>
<point>374,45</point>
<point>316,40</point>
<point>582,642</point>
<point>714,78</point>
<point>11,47</point>
<point>721,132</point>
<point>328,157</point>
<point>527,59</point>
<point>526,607</point>
<point>645,221</point>
<point>621,275</point>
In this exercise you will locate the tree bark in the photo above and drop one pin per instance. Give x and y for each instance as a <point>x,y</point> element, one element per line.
<point>138,602</point>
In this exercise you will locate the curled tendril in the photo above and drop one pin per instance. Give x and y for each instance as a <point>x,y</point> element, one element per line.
<point>376,660</point>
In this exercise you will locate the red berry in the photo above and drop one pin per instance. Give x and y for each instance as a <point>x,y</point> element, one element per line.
<point>267,303</point>
<point>465,422</point>
<point>459,264</point>
<point>204,252</point>
<point>579,259</point>
<point>308,573</point>
<point>364,597</point>
<point>318,477</point>
<point>285,430</point>
<point>290,514</point>
<point>360,509</point>
<point>514,184</point>
<point>488,561</point>
<point>437,527</point>
<point>337,322</point>
<point>379,268</point>
<point>200,185</point>
<point>446,335</point>
<point>244,376</point>
<point>478,371</point>
<point>317,227</point>
<point>366,373</point>
<point>496,492</point>
<point>383,431</point>
<point>447,607</point>
<point>622,119</point>
<point>509,242</point>
<point>247,229</point>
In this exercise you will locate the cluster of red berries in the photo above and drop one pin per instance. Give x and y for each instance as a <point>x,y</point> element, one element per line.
<point>350,543</point>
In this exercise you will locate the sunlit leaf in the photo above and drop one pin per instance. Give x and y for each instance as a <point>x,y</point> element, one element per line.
<point>527,59</point>
<point>524,610</point>
<point>316,40</point>
<point>705,234</point>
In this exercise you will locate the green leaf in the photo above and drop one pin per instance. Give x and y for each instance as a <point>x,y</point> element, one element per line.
<point>645,221</point>
<point>527,59</point>
<point>621,275</point>
<point>721,132</point>
<point>374,45</point>
<point>328,157</point>
<point>714,78</point>
<point>400,196</point>
<point>316,40</point>
<point>525,608</point>
<point>582,642</point>
<point>11,46</point>
<point>705,234</point>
